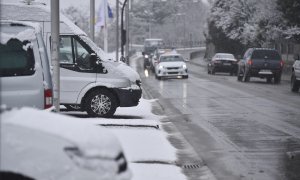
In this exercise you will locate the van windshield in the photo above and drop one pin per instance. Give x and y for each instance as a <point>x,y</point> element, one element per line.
<point>95,48</point>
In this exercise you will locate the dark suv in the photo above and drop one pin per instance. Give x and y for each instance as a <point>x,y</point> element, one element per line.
<point>262,63</point>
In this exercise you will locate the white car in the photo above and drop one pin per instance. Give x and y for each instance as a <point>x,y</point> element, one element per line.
<point>43,145</point>
<point>171,65</point>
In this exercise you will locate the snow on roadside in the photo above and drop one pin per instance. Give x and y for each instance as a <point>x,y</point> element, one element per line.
<point>140,138</point>
<point>144,144</point>
<point>156,171</point>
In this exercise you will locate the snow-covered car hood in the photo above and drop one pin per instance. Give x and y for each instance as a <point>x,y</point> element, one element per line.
<point>92,140</point>
<point>123,70</point>
<point>45,145</point>
<point>172,64</point>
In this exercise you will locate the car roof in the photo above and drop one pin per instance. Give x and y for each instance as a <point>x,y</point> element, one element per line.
<point>267,49</point>
<point>223,54</point>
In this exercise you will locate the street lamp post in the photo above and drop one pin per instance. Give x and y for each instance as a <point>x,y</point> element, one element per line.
<point>123,31</point>
<point>55,52</point>
<point>92,19</point>
<point>117,30</point>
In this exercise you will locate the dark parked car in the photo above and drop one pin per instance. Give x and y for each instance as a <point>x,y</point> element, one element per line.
<point>150,45</point>
<point>295,78</point>
<point>222,62</point>
<point>262,63</point>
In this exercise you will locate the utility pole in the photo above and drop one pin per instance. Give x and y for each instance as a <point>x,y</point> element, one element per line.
<point>55,52</point>
<point>123,34</point>
<point>127,33</point>
<point>117,30</point>
<point>92,20</point>
<point>105,26</point>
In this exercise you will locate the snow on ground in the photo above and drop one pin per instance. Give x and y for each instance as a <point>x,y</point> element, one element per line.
<point>156,172</point>
<point>143,142</point>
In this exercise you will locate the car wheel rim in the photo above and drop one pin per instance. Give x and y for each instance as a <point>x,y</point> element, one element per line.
<point>101,104</point>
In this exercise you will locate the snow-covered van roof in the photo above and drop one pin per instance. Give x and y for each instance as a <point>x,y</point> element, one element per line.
<point>37,13</point>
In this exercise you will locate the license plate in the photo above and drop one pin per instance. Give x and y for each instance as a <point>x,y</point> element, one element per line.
<point>226,64</point>
<point>265,71</point>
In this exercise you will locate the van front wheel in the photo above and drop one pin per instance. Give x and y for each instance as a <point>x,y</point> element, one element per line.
<point>101,103</point>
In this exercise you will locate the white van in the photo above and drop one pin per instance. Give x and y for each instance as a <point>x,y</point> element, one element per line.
<point>25,77</point>
<point>89,80</point>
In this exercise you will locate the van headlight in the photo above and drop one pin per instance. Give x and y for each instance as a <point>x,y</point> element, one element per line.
<point>184,66</point>
<point>146,56</point>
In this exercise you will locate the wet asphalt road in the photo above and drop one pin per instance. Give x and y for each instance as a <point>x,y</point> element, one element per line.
<point>240,130</point>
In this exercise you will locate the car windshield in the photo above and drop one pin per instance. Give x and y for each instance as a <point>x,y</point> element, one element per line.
<point>171,58</point>
<point>266,54</point>
<point>149,43</point>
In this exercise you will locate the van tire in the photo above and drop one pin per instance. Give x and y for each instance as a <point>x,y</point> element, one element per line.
<point>94,107</point>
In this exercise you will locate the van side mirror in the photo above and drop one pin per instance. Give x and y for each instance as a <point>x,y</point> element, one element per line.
<point>93,59</point>
<point>143,53</point>
<point>296,57</point>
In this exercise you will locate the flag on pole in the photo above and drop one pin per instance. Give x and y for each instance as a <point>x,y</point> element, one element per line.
<point>110,13</point>
<point>100,18</point>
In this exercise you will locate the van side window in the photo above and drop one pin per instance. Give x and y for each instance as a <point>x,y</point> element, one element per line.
<point>65,50</point>
<point>82,56</point>
<point>72,52</point>
<point>16,59</point>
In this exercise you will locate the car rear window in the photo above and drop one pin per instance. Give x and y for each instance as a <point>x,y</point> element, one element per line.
<point>15,60</point>
<point>170,58</point>
<point>227,56</point>
<point>266,54</point>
